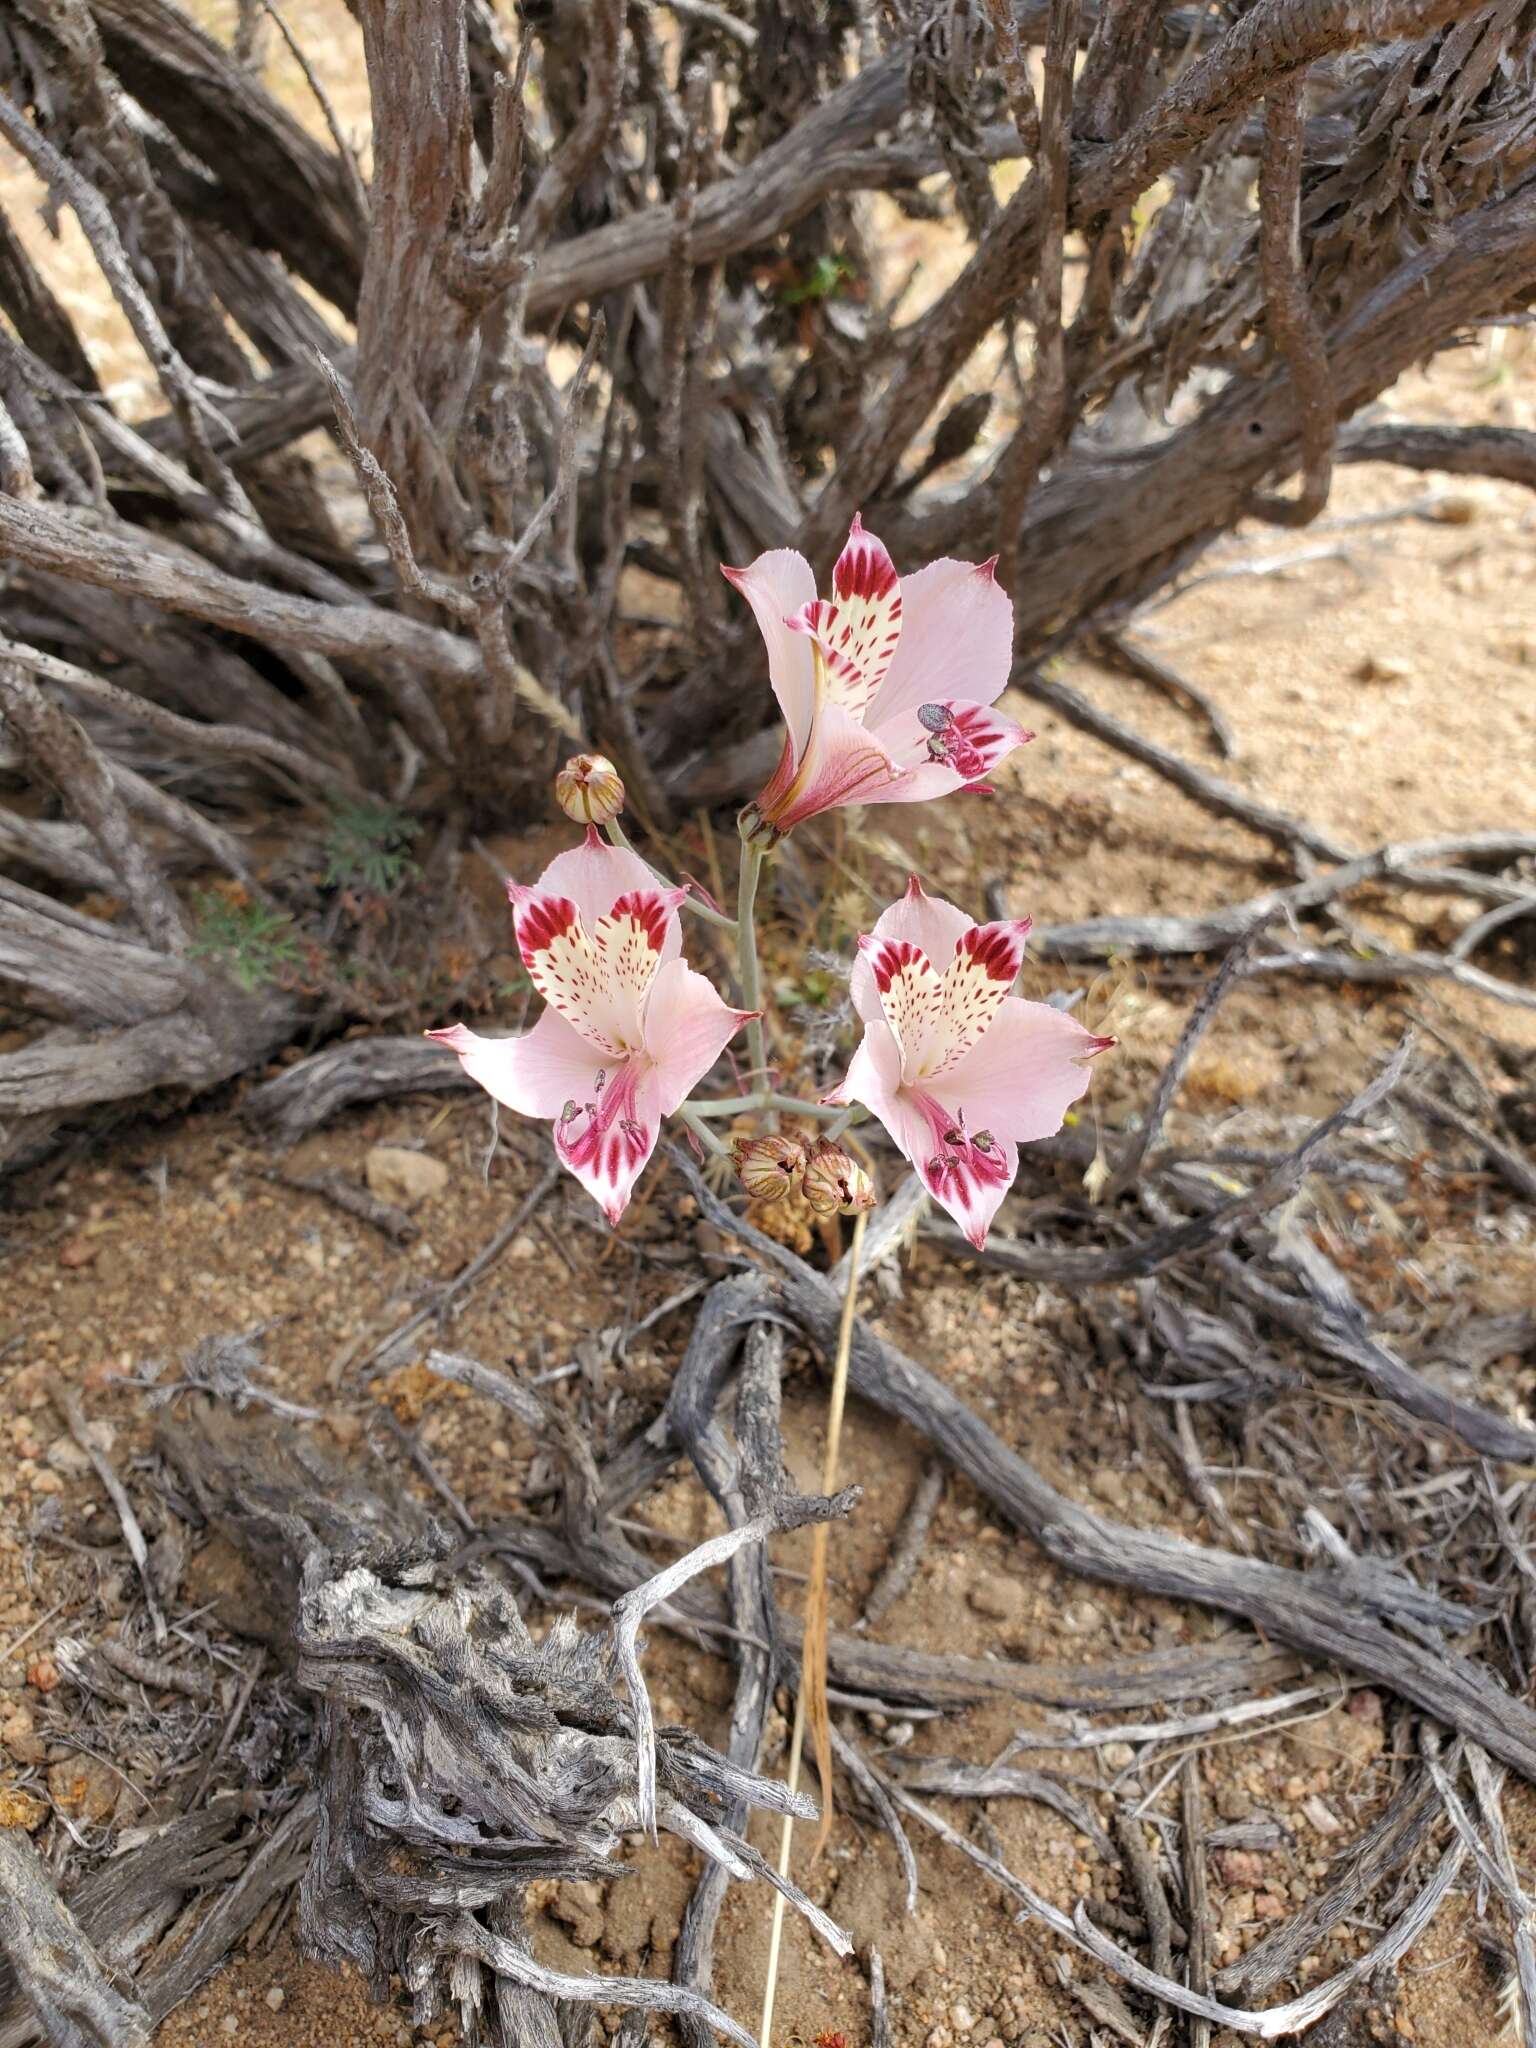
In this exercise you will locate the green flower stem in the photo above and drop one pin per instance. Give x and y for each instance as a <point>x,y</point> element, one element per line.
<point>706,1137</point>
<point>746,957</point>
<point>618,837</point>
<point>855,1113</point>
<point>743,1105</point>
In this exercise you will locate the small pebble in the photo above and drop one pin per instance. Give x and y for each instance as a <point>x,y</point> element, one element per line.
<point>993,1594</point>
<point>230,2023</point>
<point>276,1998</point>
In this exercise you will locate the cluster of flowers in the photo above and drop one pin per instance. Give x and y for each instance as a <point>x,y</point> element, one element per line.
<point>958,1069</point>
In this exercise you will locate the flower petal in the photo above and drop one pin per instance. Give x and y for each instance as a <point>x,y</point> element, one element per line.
<point>537,1072</point>
<point>975,740</point>
<point>956,636</point>
<point>607,1139</point>
<point>927,922</point>
<point>687,1027</point>
<point>596,977</point>
<point>778,586</point>
<point>858,629</point>
<point>986,965</point>
<point>595,875</point>
<point>911,996</point>
<point>570,971</point>
<point>1024,1074</point>
<point>843,764</point>
<point>966,1173</point>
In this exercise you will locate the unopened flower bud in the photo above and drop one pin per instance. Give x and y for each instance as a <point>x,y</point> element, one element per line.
<point>769,1166</point>
<point>589,790</point>
<point>835,1183</point>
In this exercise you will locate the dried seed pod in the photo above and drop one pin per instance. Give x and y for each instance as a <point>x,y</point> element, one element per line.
<point>836,1183</point>
<point>769,1166</point>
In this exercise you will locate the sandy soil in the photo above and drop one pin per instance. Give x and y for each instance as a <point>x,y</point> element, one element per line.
<point>172,1230</point>
<point>1385,690</point>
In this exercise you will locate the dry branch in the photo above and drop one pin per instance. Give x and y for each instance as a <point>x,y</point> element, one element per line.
<point>1303,1609</point>
<point>59,1972</point>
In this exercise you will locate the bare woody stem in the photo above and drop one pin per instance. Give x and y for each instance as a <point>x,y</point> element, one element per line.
<point>811,1696</point>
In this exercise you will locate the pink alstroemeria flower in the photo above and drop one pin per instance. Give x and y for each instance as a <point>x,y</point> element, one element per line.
<point>628,1027</point>
<point>885,686</point>
<point>960,1072</point>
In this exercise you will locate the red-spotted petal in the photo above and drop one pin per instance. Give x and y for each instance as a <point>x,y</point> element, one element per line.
<point>566,967</point>
<point>986,965</point>
<point>838,678</point>
<point>867,593</point>
<point>952,746</point>
<point>596,979</point>
<point>911,996</point>
<point>632,938</point>
<point>856,632</point>
<point>967,1170</point>
<point>606,1140</point>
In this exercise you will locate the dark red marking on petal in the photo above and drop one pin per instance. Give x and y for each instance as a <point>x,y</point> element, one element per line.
<point>540,920</point>
<point>864,569</point>
<point>887,957</point>
<point>648,908</point>
<point>998,949</point>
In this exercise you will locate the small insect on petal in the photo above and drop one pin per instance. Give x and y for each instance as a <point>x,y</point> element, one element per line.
<point>834,1183</point>
<point>769,1166</point>
<point>589,790</point>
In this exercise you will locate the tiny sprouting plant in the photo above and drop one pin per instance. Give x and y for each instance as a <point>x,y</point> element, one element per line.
<point>367,847</point>
<point>255,945</point>
<point>887,689</point>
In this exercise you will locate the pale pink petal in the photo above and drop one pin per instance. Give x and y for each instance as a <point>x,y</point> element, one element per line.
<point>632,939</point>
<point>986,965</point>
<point>977,739</point>
<point>967,1177</point>
<point>968,1173</point>
<point>595,875</point>
<point>606,1139</point>
<point>536,1073</point>
<point>927,922</point>
<point>911,996</point>
<point>596,976</point>
<point>571,972</point>
<point>778,586</point>
<point>956,639</point>
<point>841,765</point>
<point>874,1076</point>
<point>838,677</point>
<point>1022,1077</point>
<point>687,1027</point>
<point>859,628</point>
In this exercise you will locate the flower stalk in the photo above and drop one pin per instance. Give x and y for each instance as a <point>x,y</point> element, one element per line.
<point>811,1695</point>
<point>748,975</point>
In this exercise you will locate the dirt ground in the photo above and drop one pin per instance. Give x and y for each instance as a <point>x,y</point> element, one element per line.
<point>173,1228</point>
<point>1384,685</point>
